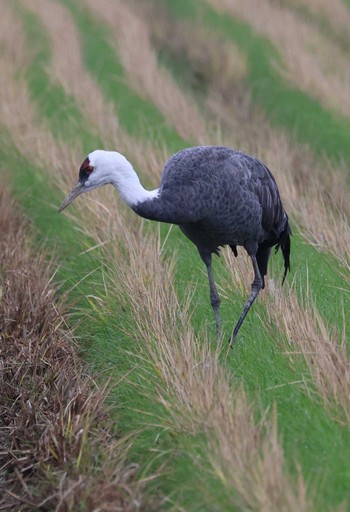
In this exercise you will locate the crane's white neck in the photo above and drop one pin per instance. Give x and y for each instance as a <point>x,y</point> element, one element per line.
<point>127,182</point>
<point>112,167</point>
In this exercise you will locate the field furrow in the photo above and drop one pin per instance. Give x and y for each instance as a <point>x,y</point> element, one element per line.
<point>262,427</point>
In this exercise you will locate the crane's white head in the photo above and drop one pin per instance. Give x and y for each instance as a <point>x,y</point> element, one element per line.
<point>99,168</point>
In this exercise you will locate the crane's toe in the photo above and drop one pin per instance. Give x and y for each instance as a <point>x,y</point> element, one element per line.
<point>232,340</point>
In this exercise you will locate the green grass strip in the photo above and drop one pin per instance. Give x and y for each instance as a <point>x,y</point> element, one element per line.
<point>321,22</point>
<point>326,132</point>
<point>347,2</point>
<point>102,332</point>
<point>94,38</point>
<point>60,109</point>
<point>254,354</point>
<point>140,117</point>
<point>105,345</point>
<point>306,430</point>
<point>81,274</point>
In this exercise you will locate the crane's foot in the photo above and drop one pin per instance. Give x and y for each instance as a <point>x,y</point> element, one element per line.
<point>256,287</point>
<point>232,340</point>
<point>236,329</point>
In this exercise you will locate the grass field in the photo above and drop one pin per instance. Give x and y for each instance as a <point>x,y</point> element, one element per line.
<point>114,392</point>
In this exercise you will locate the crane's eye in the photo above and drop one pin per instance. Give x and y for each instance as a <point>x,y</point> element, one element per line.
<point>85,170</point>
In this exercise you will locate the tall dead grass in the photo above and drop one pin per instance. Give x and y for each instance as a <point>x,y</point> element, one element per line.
<point>329,231</point>
<point>324,350</point>
<point>57,449</point>
<point>132,40</point>
<point>114,223</point>
<point>17,113</point>
<point>318,200</point>
<point>315,193</point>
<point>65,46</point>
<point>312,62</point>
<point>198,394</point>
<point>211,61</point>
<point>335,13</point>
<point>278,150</point>
<point>306,335</point>
<point>194,388</point>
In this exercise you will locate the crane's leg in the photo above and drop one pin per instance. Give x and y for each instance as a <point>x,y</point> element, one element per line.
<point>256,287</point>
<point>214,296</point>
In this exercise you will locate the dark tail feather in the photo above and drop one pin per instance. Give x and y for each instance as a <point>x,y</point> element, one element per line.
<point>262,258</point>
<point>234,250</point>
<point>284,244</point>
<point>286,253</point>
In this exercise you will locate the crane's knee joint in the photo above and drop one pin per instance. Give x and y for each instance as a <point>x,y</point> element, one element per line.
<point>215,301</point>
<point>257,284</point>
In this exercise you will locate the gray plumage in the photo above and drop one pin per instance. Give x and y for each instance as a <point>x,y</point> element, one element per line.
<point>219,196</point>
<point>216,195</point>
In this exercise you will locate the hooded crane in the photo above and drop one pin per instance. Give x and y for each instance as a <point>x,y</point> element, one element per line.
<point>216,195</point>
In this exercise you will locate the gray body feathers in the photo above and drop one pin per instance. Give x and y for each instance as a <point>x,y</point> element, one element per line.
<point>219,196</point>
<point>216,195</point>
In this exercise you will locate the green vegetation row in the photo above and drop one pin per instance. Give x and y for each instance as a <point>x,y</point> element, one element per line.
<point>310,436</point>
<point>286,106</point>
<point>306,433</point>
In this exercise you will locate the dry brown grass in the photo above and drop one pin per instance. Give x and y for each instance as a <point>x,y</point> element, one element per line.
<point>335,13</point>
<point>57,449</point>
<point>213,62</point>
<point>307,336</point>
<point>279,151</point>
<point>67,69</point>
<point>132,40</point>
<point>301,179</point>
<point>329,231</point>
<point>323,348</point>
<point>12,40</point>
<point>17,113</point>
<point>315,193</point>
<point>67,56</point>
<point>199,396</point>
<point>266,490</point>
<point>317,197</point>
<point>193,387</point>
<point>311,61</point>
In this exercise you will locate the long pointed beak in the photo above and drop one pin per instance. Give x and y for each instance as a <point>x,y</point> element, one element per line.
<point>78,189</point>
